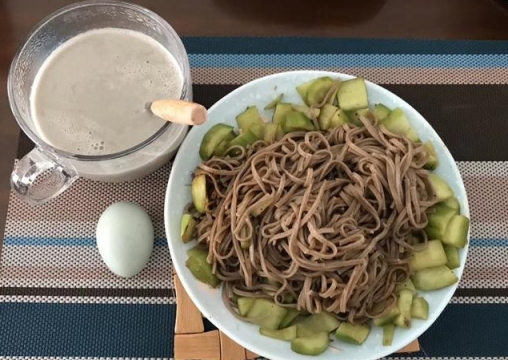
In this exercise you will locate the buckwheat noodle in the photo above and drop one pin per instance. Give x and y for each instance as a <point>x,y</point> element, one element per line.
<point>318,221</point>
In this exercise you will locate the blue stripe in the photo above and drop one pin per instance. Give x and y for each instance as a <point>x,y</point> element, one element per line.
<point>347,60</point>
<point>466,330</point>
<point>36,241</point>
<point>115,330</point>
<point>40,241</point>
<point>319,45</point>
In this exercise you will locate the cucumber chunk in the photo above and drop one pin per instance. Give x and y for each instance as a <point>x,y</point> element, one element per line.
<point>213,138</point>
<point>433,255</point>
<point>286,334</point>
<point>270,132</point>
<point>318,90</point>
<point>272,104</point>
<point>220,150</point>
<point>432,161</point>
<point>338,119</point>
<point>244,304</point>
<point>452,255</point>
<point>198,191</point>
<point>404,301</point>
<point>200,268</point>
<point>187,227</point>
<point>249,118</point>
<point>420,308</point>
<point>352,94</point>
<point>354,116</point>
<point>388,333</point>
<point>280,112</point>
<point>307,111</point>
<point>353,334</point>
<point>295,121</point>
<point>451,203</point>
<point>244,140</point>
<point>441,188</point>
<point>311,345</point>
<point>317,323</point>
<point>325,117</point>
<point>388,318</point>
<point>434,278</point>
<point>408,284</point>
<point>397,123</point>
<point>380,111</point>
<point>266,314</point>
<point>303,89</point>
<point>456,231</point>
<point>438,217</point>
<point>291,315</point>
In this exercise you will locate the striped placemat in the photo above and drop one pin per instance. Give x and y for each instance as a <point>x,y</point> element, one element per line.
<point>58,300</point>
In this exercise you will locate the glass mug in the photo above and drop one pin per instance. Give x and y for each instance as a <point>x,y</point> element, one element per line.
<point>46,171</point>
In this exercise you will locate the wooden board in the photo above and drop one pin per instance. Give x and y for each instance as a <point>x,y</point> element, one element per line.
<point>203,346</point>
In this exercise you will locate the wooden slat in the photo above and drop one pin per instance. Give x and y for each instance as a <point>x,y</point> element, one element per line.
<point>204,346</point>
<point>411,347</point>
<point>188,317</point>
<point>230,350</point>
<point>250,355</point>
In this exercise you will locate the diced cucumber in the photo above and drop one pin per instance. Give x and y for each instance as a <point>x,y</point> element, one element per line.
<point>303,89</point>
<point>307,111</point>
<point>380,111</point>
<point>438,217</point>
<point>244,140</point>
<point>280,112</point>
<point>441,188</point>
<point>388,318</point>
<point>432,161</point>
<point>325,117</point>
<point>420,308</point>
<point>352,94</point>
<point>318,90</point>
<point>262,204</point>
<point>311,345</point>
<point>434,278</point>
<point>397,123</point>
<point>353,334</point>
<point>408,284</point>
<point>388,333</point>
<point>332,100</point>
<point>200,268</point>
<point>354,116</point>
<point>338,119</point>
<point>432,255</point>
<point>316,323</point>
<point>249,118</point>
<point>404,301</point>
<point>456,231</point>
<point>198,191</point>
<point>213,138</point>
<point>295,121</point>
<point>266,314</point>
<point>257,129</point>
<point>270,132</point>
<point>452,255</point>
<point>187,227</point>
<point>244,304</point>
<point>286,334</point>
<point>291,315</point>
<point>272,104</point>
<point>220,150</point>
<point>279,133</point>
<point>451,203</point>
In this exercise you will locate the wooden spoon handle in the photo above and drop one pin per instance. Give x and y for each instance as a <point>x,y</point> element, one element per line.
<point>179,111</point>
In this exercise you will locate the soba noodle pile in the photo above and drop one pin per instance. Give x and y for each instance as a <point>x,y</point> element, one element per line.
<point>343,211</point>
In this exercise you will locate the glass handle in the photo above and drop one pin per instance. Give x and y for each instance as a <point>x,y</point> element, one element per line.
<point>38,177</point>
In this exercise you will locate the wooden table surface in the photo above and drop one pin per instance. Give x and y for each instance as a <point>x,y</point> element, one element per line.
<point>433,19</point>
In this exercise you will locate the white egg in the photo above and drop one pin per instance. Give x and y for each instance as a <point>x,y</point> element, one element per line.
<point>125,238</point>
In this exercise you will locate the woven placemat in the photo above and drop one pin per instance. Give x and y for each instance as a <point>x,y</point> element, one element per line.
<point>58,300</point>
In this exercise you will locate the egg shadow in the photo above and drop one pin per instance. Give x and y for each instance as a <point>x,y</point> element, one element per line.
<point>304,13</point>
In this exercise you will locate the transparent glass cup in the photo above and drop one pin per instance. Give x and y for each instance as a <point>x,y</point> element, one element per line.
<point>46,171</point>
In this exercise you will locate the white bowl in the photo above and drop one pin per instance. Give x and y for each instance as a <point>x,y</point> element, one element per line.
<point>259,92</point>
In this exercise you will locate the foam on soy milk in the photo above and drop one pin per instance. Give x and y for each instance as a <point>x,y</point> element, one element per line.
<point>90,95</point>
